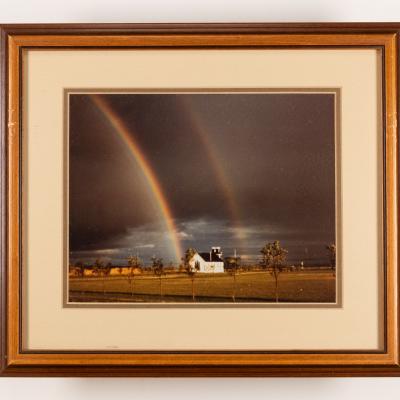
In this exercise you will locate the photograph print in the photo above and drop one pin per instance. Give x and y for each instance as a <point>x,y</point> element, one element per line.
<point>201,197</point>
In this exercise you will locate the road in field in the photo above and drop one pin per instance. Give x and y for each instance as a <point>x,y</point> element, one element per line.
<point>304,286</point>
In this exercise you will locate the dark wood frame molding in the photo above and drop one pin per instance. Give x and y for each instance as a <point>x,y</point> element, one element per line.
<point>16,362</point>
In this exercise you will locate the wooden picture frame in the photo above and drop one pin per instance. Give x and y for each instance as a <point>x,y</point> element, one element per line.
<point>16,361</point>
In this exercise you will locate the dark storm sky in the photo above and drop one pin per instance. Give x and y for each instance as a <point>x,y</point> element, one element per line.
<point>275,151</point>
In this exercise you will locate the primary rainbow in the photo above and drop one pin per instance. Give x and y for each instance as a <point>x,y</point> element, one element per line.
<point>123,132</point>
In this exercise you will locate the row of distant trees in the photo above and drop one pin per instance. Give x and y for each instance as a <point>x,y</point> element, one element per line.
<point>273,260</point>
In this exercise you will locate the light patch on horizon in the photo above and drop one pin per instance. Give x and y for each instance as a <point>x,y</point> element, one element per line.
<point>208,233</point>
<point>145,246</point>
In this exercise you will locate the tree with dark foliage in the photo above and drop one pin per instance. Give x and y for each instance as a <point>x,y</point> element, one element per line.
<point>233,268</point>
<point>158,269</point>
<point>332,255</point>
<point>134,263</point>
<point>189,253</point>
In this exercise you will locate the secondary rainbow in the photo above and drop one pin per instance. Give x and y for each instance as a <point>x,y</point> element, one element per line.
<point>128,138</point>
<point>221,176</point>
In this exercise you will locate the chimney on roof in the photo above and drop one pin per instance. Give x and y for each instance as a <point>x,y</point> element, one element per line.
<point>217,251</point>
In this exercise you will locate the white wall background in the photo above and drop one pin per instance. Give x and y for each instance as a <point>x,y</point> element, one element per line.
<point>24,11</point>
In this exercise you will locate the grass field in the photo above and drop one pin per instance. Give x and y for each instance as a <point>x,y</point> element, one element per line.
<point>304,286</point>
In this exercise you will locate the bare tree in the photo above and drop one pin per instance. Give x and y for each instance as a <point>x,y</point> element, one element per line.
<point>274,256</point>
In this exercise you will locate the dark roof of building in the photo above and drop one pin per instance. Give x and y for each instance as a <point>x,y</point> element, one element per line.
<point>214,257</point>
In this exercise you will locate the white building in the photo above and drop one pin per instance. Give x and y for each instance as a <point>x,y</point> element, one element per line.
<point>211,262</point>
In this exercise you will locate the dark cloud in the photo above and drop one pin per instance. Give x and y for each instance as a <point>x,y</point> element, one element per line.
<point>274,152</point>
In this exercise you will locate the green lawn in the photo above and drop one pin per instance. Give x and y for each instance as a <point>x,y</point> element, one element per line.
<point>304,286</point>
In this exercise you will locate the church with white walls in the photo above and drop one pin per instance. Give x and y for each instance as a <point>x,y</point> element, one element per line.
<point>209,262</point>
